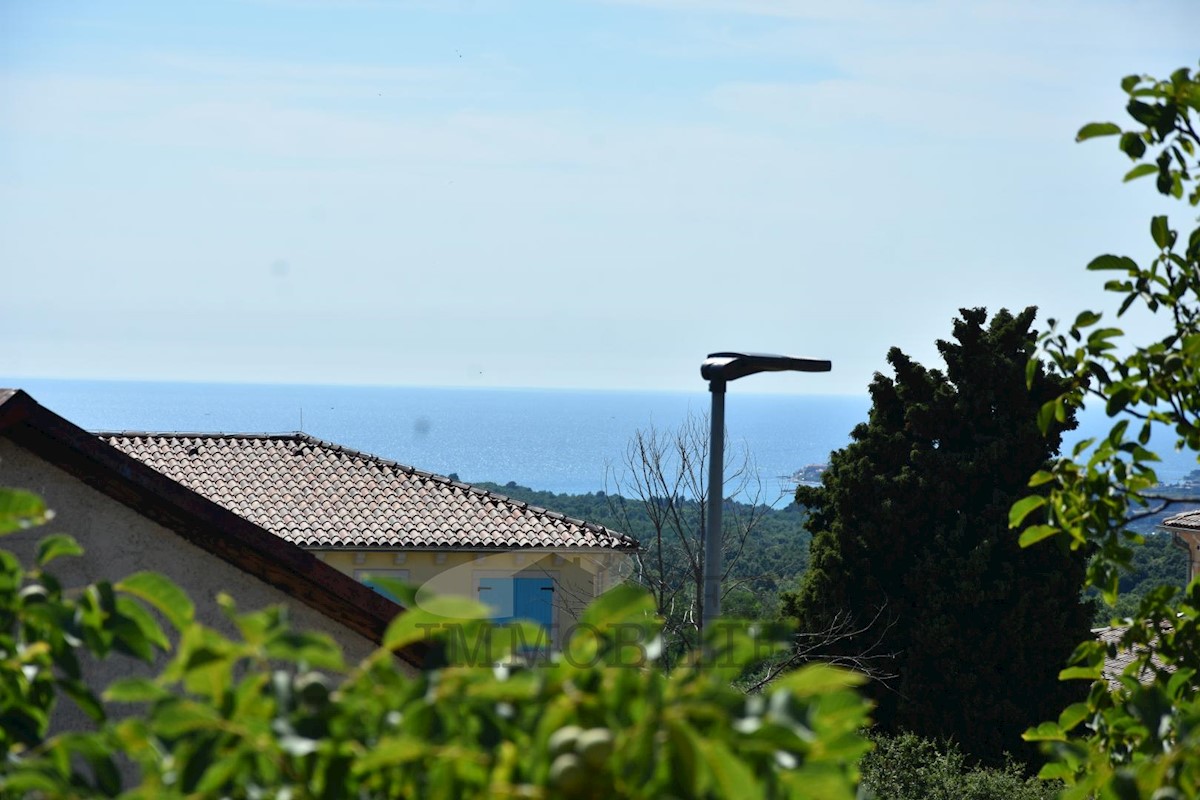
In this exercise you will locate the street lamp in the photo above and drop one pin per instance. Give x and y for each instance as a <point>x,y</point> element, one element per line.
<point>719,369</point>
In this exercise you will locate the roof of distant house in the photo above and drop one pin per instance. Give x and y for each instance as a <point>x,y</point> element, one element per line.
<point>1186,519</point>
<point>317,494</point>
<point>1120,657</point>
<point>195,517</point>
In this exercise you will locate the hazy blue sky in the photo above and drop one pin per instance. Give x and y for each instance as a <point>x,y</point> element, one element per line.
<point>551,193</point>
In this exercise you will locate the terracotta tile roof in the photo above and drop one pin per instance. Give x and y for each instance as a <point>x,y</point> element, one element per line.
<point>318,494</point>
<point>1119,657</point>
<point>1187,519</point>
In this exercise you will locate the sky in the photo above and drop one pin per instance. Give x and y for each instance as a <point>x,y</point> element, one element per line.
<point>552,194</point>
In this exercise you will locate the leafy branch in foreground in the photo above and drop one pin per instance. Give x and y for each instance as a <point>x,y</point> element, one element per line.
<point>274,713</point>
<point>1137,739</point>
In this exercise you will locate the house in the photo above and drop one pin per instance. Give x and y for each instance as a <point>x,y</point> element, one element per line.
<point>130,517</point>
<point>1185,534</point>
<point>369,518</point>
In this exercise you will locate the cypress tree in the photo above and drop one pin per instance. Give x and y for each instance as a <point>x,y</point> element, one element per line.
<point>910,529</point>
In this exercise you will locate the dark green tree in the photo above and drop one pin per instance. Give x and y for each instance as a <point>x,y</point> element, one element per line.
<point>911,544</point>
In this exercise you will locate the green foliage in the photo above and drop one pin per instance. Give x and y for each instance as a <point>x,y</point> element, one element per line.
<point>274,713</point>
<point>45,635</point>
<point>1139,740</point>
<point>911,538</point>
<point>20,509</point>
<point>907,767</point>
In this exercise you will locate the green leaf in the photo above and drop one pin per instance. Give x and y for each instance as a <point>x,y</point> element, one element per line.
<point>1141,170</point>
<point>433,616</point>
<point>1086,319</point>
<point>400,592</point>
<point>55,545</point>
<point>1055,770</point>
<point>1046,732</point>
<point>1072,715</point>
<point>27,782</point>
<point>1036,533</point>
<point>1076,673</point>
<point>818,679</point>
<point>1023,508</point>
<point>135,690</point>
<point>1100,336</point>
<point>623,604</point>
<point>1160,232</point>
<point>1109,261</point>
<point>389,752</point>
<point>1117,434</point>
<point>163,594</point>
<point>735,780</point>
<point>217,775</point>
<point>1144,112</point>
<point>1119,398</point>
<point>20,509</point>
<point>83,697</point>
<point>1132,145</point>
<point>1045,416</point>
<point>1094,129</point>
<point>1041,477</point>
<point>146,624</point>
<point>688,768</point>
<point>182,716</point>
<point>317,650</point>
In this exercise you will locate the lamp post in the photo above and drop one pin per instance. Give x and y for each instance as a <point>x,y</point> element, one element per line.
<point>719,369</point>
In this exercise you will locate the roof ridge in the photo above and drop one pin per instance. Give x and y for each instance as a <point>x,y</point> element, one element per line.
<point>283,435</point>
<point>623,539</point>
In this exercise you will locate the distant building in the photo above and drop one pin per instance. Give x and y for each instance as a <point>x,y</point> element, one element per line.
<point>370,518</point>
<point>1185,533</point>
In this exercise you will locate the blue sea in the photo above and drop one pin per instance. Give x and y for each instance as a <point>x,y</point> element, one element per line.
<point>564,441</point>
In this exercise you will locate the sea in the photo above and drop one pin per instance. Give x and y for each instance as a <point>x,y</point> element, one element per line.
<point>558,440</point>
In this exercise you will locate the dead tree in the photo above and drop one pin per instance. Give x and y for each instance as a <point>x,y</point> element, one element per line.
<point>661,485</point>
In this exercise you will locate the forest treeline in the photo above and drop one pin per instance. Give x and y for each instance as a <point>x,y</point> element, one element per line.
<point>776,554</point>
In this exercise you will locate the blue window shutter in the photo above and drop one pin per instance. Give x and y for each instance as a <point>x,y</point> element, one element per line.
<point>534,599</point>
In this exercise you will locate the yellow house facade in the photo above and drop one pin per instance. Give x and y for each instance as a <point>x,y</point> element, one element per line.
<point>568,580</point>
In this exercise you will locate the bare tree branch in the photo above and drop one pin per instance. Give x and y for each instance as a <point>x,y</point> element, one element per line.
<point>825,646</point>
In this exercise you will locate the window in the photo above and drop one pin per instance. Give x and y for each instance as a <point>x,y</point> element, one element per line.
<point>519,598</point>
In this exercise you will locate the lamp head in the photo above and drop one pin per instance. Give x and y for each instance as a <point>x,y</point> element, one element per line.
<point>729,366</point>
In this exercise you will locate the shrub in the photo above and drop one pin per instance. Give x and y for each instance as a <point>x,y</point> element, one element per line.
<point>908,767</point>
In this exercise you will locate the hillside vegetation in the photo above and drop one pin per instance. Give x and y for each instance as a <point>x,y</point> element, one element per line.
<point>775,555</point>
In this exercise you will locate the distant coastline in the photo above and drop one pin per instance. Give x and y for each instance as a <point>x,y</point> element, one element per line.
<point>562,441</point>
